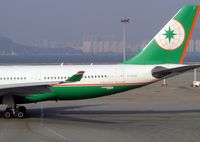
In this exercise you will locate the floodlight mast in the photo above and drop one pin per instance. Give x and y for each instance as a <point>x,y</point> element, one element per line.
<point>124,21</point>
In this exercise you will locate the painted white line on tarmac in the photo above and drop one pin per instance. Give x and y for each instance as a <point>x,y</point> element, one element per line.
<point>57,134</point>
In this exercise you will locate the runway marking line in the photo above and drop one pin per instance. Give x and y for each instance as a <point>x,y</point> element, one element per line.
<point>56,133</point>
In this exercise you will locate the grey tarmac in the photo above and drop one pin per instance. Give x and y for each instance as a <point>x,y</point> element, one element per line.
<point>149,114</point>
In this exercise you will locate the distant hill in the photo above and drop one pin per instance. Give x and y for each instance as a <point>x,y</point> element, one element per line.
<point>8,47</point>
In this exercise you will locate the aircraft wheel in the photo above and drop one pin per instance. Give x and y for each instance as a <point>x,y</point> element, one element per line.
<point>21,112</point>
<point>8,113</point>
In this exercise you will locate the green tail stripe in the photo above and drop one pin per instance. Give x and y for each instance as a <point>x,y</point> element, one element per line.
<point>170,44</point>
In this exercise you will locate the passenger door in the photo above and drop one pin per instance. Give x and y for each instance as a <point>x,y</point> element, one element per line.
<point>119,77</point>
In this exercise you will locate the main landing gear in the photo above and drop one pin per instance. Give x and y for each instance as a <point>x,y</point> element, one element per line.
<point>12,109</point>
<point>19,112</point>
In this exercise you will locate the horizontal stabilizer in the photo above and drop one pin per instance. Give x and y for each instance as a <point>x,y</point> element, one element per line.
<point>162,72</point>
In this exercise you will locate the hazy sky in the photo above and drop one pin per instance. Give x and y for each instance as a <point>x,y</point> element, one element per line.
<point>71,20</point>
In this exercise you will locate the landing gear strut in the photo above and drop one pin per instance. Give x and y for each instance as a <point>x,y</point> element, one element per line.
<point>12,110</point>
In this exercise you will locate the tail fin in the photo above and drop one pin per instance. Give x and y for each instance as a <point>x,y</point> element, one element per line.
<point>170,44</point>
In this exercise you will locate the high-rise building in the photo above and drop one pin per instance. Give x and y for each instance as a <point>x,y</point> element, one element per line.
<point>103,44</point>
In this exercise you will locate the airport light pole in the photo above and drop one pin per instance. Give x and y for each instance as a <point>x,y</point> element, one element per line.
<point>195,74</point>
<point>124,21</point>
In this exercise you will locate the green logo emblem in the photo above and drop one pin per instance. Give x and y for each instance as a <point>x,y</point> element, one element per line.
<point>171,36</point>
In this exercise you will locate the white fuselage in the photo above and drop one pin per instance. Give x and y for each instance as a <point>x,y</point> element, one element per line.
<point>94,74</point>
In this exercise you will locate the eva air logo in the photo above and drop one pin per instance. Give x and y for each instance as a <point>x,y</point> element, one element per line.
<point>171,36</point>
